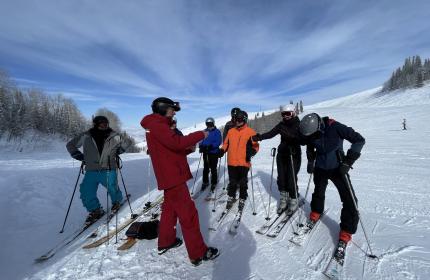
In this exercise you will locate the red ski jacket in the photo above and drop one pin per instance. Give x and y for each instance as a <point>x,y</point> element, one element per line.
<point>168,151</point>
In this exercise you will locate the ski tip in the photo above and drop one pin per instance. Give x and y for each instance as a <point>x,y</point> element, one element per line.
<point>42,259</point>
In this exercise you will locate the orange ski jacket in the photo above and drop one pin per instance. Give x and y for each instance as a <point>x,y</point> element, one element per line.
<point>239,146</point>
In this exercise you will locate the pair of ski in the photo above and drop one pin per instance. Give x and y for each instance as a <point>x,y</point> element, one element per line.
<point>220,219</point>
<point>283,218</point>
<point>123,225</point>
<point>211,196</point>
<point>72,237</point>
<point>303,233</point>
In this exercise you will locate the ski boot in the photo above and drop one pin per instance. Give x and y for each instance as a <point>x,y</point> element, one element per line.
<point>115,207</point>
<point>339,255</point>
<point>211,253</point>
<point>93,216</point>
<point>241,205</point>
<point>204,186</point>
<point>230,202</point>
<point>283,202</point>
<point>292,206</point>
<point>177,243</point>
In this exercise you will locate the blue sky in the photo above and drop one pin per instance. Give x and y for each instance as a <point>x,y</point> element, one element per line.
<point>209,55</point>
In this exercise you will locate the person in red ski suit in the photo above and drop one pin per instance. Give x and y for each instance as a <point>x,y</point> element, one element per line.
<point>171,169</point>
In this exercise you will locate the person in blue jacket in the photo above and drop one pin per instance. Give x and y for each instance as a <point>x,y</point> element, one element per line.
<point>327,161</point>
<point>209,148</point>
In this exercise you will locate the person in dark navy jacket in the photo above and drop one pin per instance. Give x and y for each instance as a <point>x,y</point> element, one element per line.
<point>209,147</point>
<point>326,160</point>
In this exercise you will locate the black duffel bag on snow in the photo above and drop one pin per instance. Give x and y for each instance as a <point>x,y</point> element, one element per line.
<point>143,230</point>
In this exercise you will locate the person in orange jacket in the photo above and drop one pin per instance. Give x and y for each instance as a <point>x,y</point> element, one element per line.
<point>240,149</point>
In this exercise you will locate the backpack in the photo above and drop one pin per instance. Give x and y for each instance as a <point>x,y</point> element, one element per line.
<point>143,230</point>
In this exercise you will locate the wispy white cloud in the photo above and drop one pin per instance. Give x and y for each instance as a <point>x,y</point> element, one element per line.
<point>209,54</point>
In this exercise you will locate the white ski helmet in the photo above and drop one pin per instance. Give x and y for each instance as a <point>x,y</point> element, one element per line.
<point>288,111</point>
<point>288,108</point>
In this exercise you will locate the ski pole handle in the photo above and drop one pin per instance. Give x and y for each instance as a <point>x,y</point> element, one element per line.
<point>273,152</point>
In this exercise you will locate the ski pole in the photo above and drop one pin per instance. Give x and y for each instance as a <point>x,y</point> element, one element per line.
<point>107,200</point>
<point>293,175</point>
<point>253,200</point>
<point>272,153</point>
<point>197,172</point>
<point>81,170</point>
<point>223,185</point>
<point>348,182</point>
<point>133,216</point>
<point>216,189</point>
<point>148,203</point>
<point>306,195</point>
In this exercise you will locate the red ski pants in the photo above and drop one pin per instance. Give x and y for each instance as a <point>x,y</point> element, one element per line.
<point>178,205</point>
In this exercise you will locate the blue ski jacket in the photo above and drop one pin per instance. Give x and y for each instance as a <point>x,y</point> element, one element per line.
<point>213,141</point>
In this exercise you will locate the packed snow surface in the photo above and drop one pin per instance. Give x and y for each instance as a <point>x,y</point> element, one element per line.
<point>391,181</point>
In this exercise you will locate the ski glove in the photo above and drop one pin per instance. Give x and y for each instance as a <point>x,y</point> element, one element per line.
<point>311,166</point>
<point>221,153</point>
<point>120,150</point>
<point>348,161</point>
<point>344,168</point>
<point>256,137</point>
<point>78,156</point>
<point>250,151</point>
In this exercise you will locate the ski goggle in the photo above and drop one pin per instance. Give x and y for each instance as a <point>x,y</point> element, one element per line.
<point>287,114</point>
<point>239,119</point>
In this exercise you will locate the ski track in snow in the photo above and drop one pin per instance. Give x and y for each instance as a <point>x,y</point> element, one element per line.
<point>390,180</point>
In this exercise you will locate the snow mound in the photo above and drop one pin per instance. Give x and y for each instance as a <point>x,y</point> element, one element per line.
<point>373,98</point>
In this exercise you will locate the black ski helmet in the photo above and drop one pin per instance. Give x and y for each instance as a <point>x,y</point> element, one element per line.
<point>100,119</point>
<point>310,124</point>
<point>241,116</point>
<point>161,104</point>
<point>234,111</point>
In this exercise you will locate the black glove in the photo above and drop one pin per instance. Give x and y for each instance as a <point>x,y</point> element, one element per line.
<point>348,161</point>
<point>344,168</point>
<point>120,150</point>
<point>221,153</point>
<point>203,149</point>
<point>256,137</point>
<point>250,151</point>
<point>78,156</point>
<point>311,166</point>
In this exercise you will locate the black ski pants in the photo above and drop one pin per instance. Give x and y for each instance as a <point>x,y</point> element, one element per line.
<point>210,162</point>
<point>238,178</point>
<point>348,216</point>
<point>286,175</point>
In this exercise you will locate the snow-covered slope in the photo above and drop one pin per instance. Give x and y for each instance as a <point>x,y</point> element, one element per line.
<point>390,180</point>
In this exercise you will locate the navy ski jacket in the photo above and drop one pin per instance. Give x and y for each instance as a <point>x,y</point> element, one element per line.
<point>331,141</point>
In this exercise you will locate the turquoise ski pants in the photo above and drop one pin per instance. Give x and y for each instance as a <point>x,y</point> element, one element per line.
<point>90,183</point>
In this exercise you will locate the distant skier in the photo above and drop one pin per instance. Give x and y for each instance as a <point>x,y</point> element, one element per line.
<point>404,124</point>
<point>101,145</point>
<point>288,149</point>
<point>241,149</point>
<point>171,169</point>
<point>210,149</point>
<point>324,149</point>
<point>230,123</point>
